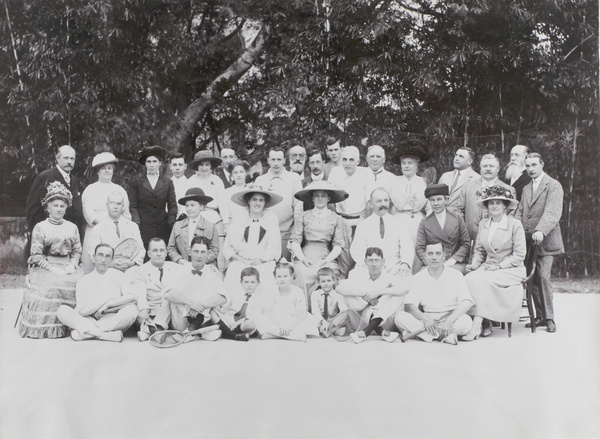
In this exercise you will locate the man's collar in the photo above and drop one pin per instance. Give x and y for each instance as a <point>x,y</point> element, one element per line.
<point>379,171</point>
<point>63,173</point>
<point>319,177</point>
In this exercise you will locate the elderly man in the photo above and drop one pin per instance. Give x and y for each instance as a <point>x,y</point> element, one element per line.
<point>178,166</point>
<point>197,292</point>
<point>334,152</point>
<point>297,160</point>
<point>386,232</point>
<point>378,177</point>
<point>462,173</point>
<point>445,227</point>
<point>516,175</point>
<point>151,281</point>
<point>228,156</point>
<point>444,298</point>
<point>65,161</point>
<point>106,304</point>
<point>375,295</point>
<point>353,179</point>
<point>116,229</point>
<point>286,184</point>
<point>489,166</point>
<point>540,210</point>
<point>185,230</point>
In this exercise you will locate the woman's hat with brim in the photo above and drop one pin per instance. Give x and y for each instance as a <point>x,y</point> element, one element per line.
<point>104,158</point>
<point>271,198</point>
<point>437,189</point>
<point>195,194</point>
<point>335,195</point>
<point>496,193</point>
<point>204,156</point>
<point>152,151</point>
<point>415,148</point>
<point>57,191</point>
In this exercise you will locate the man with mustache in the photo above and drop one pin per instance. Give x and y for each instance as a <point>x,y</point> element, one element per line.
<point>516,174</point>
<point>386,232</point>
<point>489,166</point>
<point>297,160</point>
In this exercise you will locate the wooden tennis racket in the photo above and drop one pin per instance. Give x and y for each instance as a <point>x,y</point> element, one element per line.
<point>171,338</point>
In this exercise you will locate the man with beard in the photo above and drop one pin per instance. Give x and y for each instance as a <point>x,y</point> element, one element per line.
<point>516,175</point>
<point>297,160</point>
<point>384,231</point>
<point>489,166</point>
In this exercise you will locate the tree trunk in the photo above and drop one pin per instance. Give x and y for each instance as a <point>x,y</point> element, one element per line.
<point>571,182</point>
<point>181,128</point>
<point>501,120</point>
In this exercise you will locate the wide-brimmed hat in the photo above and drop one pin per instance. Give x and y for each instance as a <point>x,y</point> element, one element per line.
<point>57,190</point>
<point>195,194</point>
<point>203,156</point>
<point>149,151</point>
<point>437,189</point>
<point>104,158</point>
<point>271,198</point>
<point>414,148</point>
<point>335,195</point>
<point>497,192</point>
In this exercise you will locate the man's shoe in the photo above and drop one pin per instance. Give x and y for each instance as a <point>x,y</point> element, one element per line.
<point>116,336</point>
<point>538,322</point>
<point>389,336</point>
<point>78,336</point>
<point>358,337</point>
<point>550,326</point>
<point>451,339</point>
<point>212,335</point>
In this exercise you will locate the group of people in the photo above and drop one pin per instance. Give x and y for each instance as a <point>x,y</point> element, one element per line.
<point>323,247</point>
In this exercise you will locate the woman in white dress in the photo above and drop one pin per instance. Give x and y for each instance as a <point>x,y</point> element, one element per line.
<point>239,173</point>
<point>94,199</point>
<point>409,202</point>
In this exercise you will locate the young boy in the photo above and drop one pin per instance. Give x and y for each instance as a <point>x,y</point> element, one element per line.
<point>329,308</point>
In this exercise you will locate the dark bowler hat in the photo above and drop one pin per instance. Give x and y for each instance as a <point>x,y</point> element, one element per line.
<point>436,189</point>
<point>205,156</point>
<point>195,194</point>
<point>152,151</point>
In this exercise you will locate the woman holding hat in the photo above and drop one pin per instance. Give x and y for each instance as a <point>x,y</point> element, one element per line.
<point>193,225</point>
<point>94,200</point>
<point>497,269</point>
<point>408,199</point>
<point>319,234</point>
<point>152,198</point>
<point>53,273</point>
<point>254,239</point>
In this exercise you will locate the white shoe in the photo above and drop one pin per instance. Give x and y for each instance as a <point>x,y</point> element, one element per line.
<point>143,335</point>
<point>451,339</point>
<point>358,337</point>
<point>116,336</point>
<point>78,336</point>
<point>389,336</point>
<point>212,335</point>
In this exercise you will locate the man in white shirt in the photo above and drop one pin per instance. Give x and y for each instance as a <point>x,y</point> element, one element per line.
<point>386,232</point>
<point>379,177</point>
<point>469,193</point>
<point>180,181</point>
<point>106,303</point>
<point>334,153</point>
<point>444,296</point>
<point>462,173</point>
<point>286,184</point>
<point>116,229</point>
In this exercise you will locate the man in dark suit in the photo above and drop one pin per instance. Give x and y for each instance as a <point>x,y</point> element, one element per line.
<point>445,227</point>
<point>65,161</point>
<point>316,164</point>
<point>228,156</point>
<point>540,210</point>
<point>516,174</point>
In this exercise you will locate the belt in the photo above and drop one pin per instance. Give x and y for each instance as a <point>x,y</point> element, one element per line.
<point>349,217</point>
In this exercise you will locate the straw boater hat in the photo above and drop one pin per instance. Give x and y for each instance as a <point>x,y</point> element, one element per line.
<point>195,194</point>
<point>104,158</point>
<point>149,151</point>
<point>57,190</point>
<point>495,193</point>
<point>203,156</point>
<point>437,189</point>
<point>271,198</point>
<point>336,195</point>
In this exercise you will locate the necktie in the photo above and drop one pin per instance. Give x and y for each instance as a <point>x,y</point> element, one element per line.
<point>242,312</point>
<point>381,227</point>
<point>198,272</point>
<point>161,274</point>
<point>117,227</point>
<point>455,181</point>
<point>325,306</point>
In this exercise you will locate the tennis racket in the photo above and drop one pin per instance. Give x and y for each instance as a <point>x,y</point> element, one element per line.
<point>172,338</point>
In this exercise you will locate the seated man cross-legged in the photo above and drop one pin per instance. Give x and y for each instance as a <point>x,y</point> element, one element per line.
<point>443,295</point>
<point>105,304</point>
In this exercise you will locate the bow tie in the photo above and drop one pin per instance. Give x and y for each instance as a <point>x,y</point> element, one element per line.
<point>198,272</point>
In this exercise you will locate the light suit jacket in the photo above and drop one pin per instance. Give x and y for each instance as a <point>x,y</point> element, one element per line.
<point>541,212</point>
<point>465,176</point>
<point>507,249</point>
<point>454,237</point>
<point>179,241</point>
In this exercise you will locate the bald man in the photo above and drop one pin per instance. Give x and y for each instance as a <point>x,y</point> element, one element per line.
<point>65,161</point>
